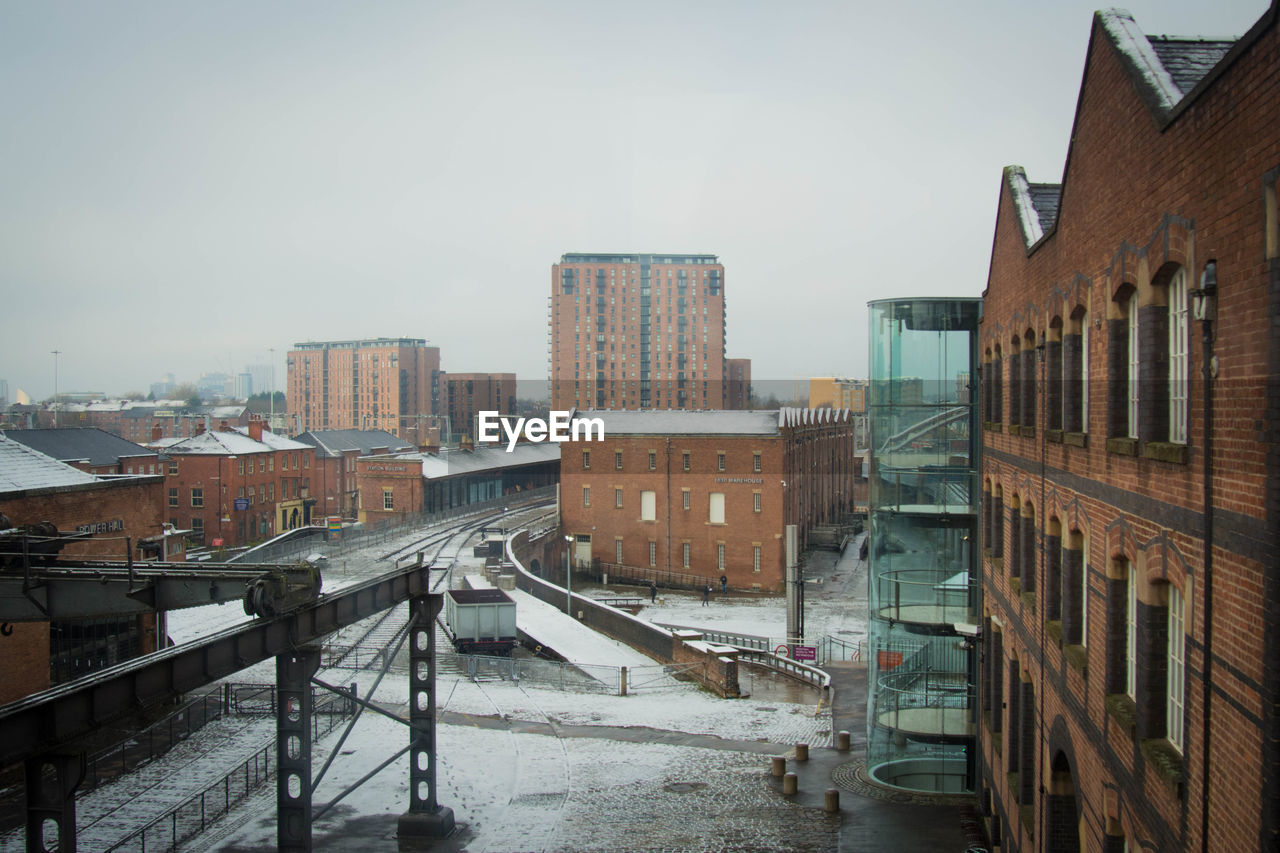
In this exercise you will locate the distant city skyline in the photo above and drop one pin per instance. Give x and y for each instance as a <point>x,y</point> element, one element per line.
<point>191,186</point>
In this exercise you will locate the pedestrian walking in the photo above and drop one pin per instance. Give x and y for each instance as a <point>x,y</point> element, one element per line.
<point>653,592</point>
<point>724,584</point>
<point>706,596</point>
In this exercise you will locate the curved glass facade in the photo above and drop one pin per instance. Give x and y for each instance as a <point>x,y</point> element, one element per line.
<point>924,583</point>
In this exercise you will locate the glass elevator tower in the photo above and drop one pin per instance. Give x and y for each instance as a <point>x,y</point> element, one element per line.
<point>925,588</point>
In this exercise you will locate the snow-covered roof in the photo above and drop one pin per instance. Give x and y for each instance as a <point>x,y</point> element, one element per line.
<point>275,441</point>
<point>675,422</point>
<point>235,441</point>
<point>23,468</point>
<point>452,463</point>
<point>1166,68</point>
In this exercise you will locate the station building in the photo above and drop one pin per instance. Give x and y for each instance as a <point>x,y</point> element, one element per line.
<point>336,485</point>
<point>707,493</point>
<point>399,486</point>
<point>1130,680</point>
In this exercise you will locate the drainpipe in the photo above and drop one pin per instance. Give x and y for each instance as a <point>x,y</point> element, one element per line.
<point>1205,298</point>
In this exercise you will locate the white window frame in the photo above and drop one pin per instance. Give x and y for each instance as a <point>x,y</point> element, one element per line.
<point>1084,589</point>
<point>617,498</point>
<point>388,498</point>
<point>1176,669</point>
<point>1133,369</point>
<point>720,556</point>
<point>1131,632</point>
<point>686,549</point>
<point>586,496</point>
<point>755,501</point>
<point>648,506</point>
<point>1178,357</point>
<point>617,550</point>
<point>755,558</point>
<point>653,553</point>
<point>715,508</point>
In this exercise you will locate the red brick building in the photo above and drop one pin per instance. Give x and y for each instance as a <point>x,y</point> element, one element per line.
<point>377,383</point>
<point>706,493</point>
<point>112,513</point>
<point>336,485</point>
<point>235,487</point>
<point>1131,645</point>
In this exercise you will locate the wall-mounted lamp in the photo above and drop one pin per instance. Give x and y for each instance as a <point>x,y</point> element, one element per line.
<point>1204,299</point>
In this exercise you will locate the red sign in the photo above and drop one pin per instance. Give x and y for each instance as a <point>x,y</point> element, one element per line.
<point>804,652</point>
<point>216,543</point>
<point>888,660</point>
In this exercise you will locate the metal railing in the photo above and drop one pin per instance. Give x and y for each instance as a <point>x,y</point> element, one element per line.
<point>741,641</point>
<point>154,741</point>
<point>794,669</point>
<point>195,814</point>
<point>639,576</point>
<point>835,650</point>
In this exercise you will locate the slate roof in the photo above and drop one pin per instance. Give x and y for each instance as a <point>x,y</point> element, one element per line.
<point>89,444</point>
<point>1188,60</point>
<point>1045,198</point>
<point>331,442</point>
<point>22,468</point>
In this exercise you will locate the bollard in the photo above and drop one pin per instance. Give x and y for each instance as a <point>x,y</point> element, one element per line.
<point>802,752</point>
<point>789,784</point>
<point>842,741</point>
<point>779,765</point>
<point>832,803</point>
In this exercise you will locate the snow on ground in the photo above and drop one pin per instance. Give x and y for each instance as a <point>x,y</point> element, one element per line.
<point>518,790</point>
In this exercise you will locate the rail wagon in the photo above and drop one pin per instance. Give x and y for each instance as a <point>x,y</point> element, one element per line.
<point>481,621</point>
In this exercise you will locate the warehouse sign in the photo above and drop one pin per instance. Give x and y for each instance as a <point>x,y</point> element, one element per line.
<point>101,527</point>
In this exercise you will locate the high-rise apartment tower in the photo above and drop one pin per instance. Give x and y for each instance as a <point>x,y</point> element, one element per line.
<point>637,331</point>
<point>391,384</point>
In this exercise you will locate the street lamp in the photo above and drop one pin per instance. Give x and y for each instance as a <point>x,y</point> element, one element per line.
<point>55,354</point>
<point>568,576</point>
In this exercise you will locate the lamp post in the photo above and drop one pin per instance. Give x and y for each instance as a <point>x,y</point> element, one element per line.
<point>568,576</point>
<point>55,353</point>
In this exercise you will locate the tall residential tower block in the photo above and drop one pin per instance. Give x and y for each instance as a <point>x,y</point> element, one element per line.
<point>391,384</point>
<point>637,331</point>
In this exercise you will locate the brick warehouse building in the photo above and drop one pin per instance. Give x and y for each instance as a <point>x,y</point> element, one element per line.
<point>236,486</point>
<point>1131,641</point>
<point>707,493</point>
<point>113,513</point>
<point>377,383</point>
<point>640,331</point>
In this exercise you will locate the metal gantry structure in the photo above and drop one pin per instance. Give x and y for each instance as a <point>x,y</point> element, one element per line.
<point>40,730</point>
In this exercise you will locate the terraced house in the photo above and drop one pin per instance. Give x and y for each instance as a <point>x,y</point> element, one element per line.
<point>1131,646</point>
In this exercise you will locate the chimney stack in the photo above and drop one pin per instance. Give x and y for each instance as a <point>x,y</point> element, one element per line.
<point>157,432</point>
<point>222,427</point>
<point>199,427</point>
<point>255,428</point>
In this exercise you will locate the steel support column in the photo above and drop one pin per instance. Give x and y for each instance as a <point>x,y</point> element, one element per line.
<point>53,800</point>
<point>426,818</point>
<point>293,748</point>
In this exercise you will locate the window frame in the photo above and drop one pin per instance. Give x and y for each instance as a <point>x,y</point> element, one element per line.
<point>1176,670</point>
<point>1133,394</point>
<point>1179,357</point>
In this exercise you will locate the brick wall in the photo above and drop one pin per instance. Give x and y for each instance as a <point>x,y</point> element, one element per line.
<point>1140,199</point>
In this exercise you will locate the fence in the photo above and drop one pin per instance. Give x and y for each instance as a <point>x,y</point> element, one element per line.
<point>835,650</point>
<point>197,813</point>
<point>741,641</point>
<point>153,741</point>
<point>620,573</point>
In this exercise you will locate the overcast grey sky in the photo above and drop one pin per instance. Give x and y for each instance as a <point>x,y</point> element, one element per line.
<point>184,186</point>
